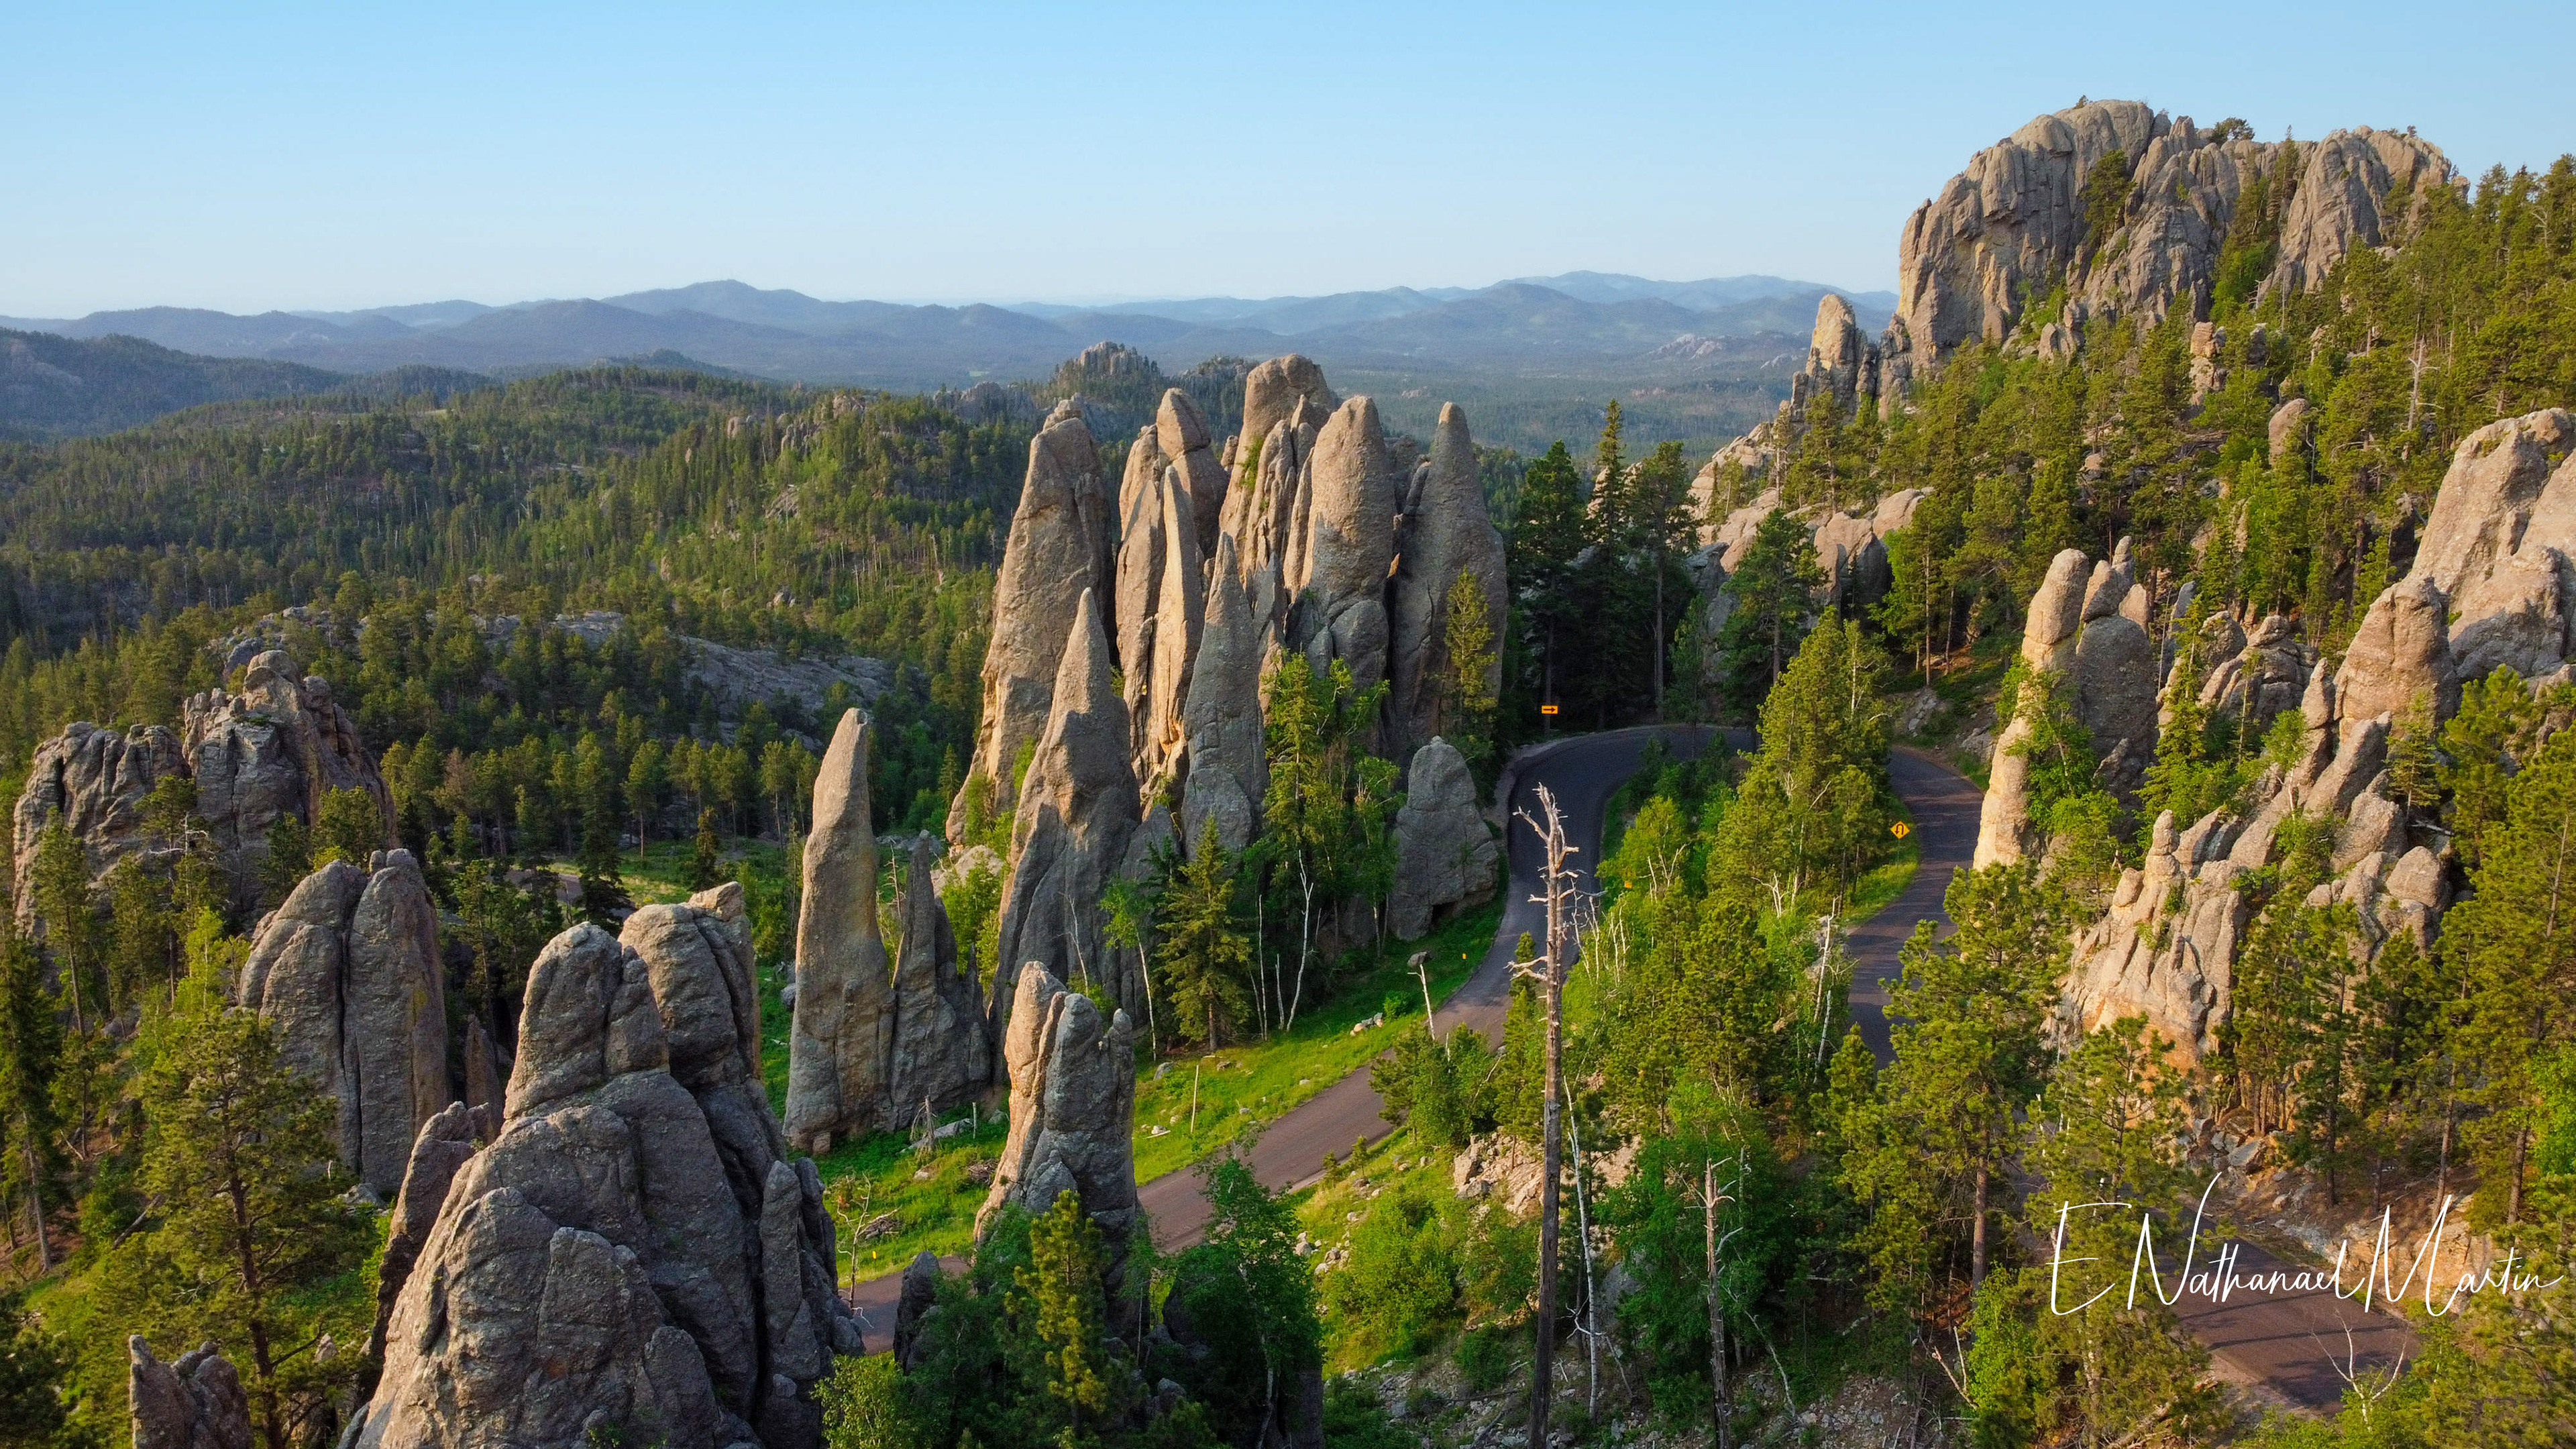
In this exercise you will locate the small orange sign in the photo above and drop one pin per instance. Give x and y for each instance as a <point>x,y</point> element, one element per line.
<point>1900,830</point>
<point>1547,709</point>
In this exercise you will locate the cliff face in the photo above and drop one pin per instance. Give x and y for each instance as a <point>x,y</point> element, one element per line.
<point>2016,223</point>
<point>1308,532</point>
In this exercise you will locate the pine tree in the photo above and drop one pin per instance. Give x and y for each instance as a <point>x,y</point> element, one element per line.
<point>1466,709</point>
<point>2513,945</point>
<point>241,1156</point>
<point>351,828</point>
<point>706,858</point>
<point>31,1045</point>
<point>1774,587</point>
<point>1967,1012</point>
<point>1207,959</point>
<point>1549,532</point>
<point>1060,1303</point>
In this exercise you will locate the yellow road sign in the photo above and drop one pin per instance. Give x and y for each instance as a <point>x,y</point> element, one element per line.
<point>1547,709</point>
<point>1900,830</point>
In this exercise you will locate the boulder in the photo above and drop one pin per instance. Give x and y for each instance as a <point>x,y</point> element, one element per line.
<point>1058,551</point>
<point>1078,805</point>
<point>2288,430</point>
<point>348,972</point>
<point>1444,852</point>
<point>1273,390</point>
<point>843,1029</point>
<point>634,1254</point>
<point>1446,535</point>
<point>1073,1108</point>
<point>195,1402</point>
<point>2487,497</point>
<point>2004,827</point>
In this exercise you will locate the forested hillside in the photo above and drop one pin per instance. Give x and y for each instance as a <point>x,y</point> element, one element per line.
<point>2221,518</point>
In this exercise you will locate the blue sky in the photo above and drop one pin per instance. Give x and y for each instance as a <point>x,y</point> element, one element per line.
<point>356,155</point>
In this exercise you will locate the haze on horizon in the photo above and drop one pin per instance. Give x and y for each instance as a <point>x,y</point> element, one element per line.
<point>315,157</point>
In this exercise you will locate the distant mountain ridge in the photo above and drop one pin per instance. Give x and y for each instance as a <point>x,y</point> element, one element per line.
<point>1577,318</point>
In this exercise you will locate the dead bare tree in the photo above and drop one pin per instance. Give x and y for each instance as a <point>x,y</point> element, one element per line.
<point>1557,893</point>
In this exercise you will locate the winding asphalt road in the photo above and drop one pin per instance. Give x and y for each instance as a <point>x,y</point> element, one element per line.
<point>2283,1348</point>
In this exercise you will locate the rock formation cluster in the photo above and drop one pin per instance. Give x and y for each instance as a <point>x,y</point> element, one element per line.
<point>635,1254</point>
<point>1123,710</point>
<point>2014,224</point>
<point>273,750</point>
<point>2487,590</point>
<point>347,970</point>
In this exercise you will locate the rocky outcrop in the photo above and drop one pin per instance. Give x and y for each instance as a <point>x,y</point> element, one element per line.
<point>1338,577</point>
<point>2014,223</point>
<point>1446,535</point>
<point>1073,1109</point>
<point>869,1046</point>
<point>2166,949</point>
<point>1058,551</point>
<point>94,781</point>
<point>1228,769</point>
<point>1077,808</point>
<point>273,750</point>
<point>348,972</point>
<point>843,1030</point>
<point>2078,636</point>
<point>1179,615</point>
<point>634,1255</point>
<point>1181,435</point>
<point>193,1402</point>
<point>445,1142</point>
<point>941,1055</point>
<point>1841,362</point>
<point>2485,593</point>
<point>1444,852</point>
<point>1273,390</point>
<point>2267,673</point>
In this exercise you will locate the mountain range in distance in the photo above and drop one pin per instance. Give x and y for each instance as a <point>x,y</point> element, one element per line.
<point>1583,320</point>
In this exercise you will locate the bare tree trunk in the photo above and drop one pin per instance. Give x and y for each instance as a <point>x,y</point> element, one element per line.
<point>1559,888</point>
<point>1977,1234</point>
<point>1722,1404</point>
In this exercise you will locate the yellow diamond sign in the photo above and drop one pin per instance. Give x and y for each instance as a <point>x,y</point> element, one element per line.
<point>1900,830</point>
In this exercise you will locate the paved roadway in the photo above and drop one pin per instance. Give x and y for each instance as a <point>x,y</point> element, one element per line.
<point>2281,1348</point>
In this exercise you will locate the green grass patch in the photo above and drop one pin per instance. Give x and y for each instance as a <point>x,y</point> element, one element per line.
<point>1249,1085</point>
<point>932,1199</point>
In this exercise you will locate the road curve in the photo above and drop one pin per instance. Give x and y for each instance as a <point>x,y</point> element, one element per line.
<point>2282,1348</point>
